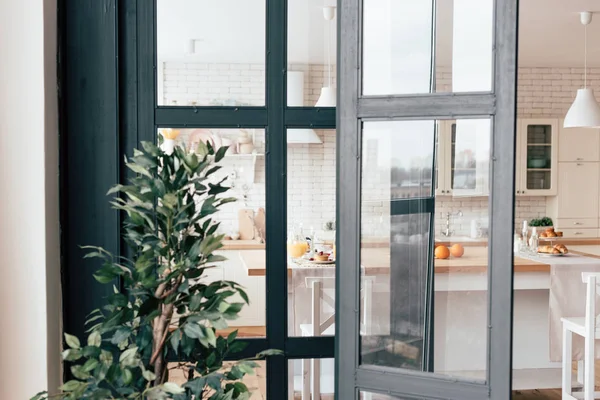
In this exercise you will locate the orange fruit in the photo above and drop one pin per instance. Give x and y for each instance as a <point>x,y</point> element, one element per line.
<point>442,252</point>
<point>457,250</point>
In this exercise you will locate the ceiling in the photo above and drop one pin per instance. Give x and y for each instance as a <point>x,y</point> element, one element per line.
<point>550,33</point>
<point>234,31</point>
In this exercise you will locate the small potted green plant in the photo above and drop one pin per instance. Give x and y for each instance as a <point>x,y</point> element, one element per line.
<point>166,313</point>
<point>544,222</point>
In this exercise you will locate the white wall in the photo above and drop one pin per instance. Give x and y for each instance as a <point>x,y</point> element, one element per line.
<point>29,233</point>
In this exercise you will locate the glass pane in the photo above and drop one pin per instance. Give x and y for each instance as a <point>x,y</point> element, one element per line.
<point>539,156</point>
<point>211,53</point>
<point>397,260</point>
<point>243,221</point>
<point>470,149</point>
<point>311,53</point>
<point>311,378</point>
<point>256,383</point>
<point>311,174</point>
<point>399,49</point>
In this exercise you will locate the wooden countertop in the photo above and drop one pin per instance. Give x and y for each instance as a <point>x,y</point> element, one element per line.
<point>376,261</point>
<point>242,245</point>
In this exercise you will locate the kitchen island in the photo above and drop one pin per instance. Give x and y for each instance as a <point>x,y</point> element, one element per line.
<point>461,310</point>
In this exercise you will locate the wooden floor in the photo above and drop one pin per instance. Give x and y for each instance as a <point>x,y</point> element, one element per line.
<point>257,383</point>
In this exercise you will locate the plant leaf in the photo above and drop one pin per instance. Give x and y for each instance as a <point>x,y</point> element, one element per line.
<point>72,341</point>
<point>95,339</point>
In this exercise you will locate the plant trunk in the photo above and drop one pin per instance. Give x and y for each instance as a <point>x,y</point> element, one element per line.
<point>159,335</point>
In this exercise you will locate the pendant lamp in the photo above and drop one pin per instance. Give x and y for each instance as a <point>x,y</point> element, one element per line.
<point>328,93</point>
<point>585,111</point>
<point>295,98</point>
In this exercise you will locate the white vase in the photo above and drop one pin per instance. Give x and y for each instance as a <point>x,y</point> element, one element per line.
<point>168,146</point>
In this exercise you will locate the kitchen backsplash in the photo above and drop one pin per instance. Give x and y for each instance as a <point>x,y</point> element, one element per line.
<point>542,93</point>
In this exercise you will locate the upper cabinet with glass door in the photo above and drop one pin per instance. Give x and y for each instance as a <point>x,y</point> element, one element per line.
<point>537,157</point>
<point>210,53</point>
<point>463,158</point>
<point>398,39</point>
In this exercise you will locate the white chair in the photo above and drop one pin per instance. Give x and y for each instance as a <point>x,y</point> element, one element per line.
<point>318,286</point>
<point>586,328</point>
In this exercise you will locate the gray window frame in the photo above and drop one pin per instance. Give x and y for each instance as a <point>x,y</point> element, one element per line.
<point>500,106</point>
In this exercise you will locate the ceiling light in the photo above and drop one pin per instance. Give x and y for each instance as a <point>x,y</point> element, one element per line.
<point>295,98</point>
<point>328,95</point>
<point>585,111</point>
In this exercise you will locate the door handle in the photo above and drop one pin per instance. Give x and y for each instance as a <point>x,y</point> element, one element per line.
<point>579,233</point>
<point>576,223</point>
<point>579,159</point>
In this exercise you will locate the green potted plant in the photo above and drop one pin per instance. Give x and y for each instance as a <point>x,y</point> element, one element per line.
<point>544,222</point>
<point>166,310</point>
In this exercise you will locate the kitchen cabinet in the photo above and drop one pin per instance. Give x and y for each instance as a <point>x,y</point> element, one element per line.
<point>578,144</point>
<point>233,270</point>
<point>462,163</point>
<point>537,157</point>
<point>575,208</point>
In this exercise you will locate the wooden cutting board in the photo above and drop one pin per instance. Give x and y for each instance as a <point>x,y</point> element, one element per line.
<point>246,224</point>
<point>260,222</point>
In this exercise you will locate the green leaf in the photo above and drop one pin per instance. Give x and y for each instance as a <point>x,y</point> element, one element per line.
<point>127,376</point>
<point>40,396</point>
<point>71,354</point>
<point>235,308</point>
<point>211,359</point>
<point>106,357</point>
<point>231,337</point>
<point>175,338</point>
<point>269,352</point>
<point>184,287</point>
<point>195,302</point>
<point>211,337</point>
<point>79,373</point>
<point>72,341</point>
<point>196,386</point>
<point>90,365</point>
<point>138,169</point>
<point>237,346</point>
<point>121,335</point>
<point>91,351</point>
<point>70,386</point>
<point>118,300</point>
<point>173,388</point>
<point>221,153</point>
<point>127,358</point>
<point>149,375</point>
<point>95,339</point>
<point>193,331</point>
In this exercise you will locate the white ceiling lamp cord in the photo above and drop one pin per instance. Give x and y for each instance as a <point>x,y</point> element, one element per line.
<point>585,56</point>
<point>329,53</point>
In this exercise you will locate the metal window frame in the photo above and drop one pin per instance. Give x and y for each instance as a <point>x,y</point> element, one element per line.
<point>500,105</point>
<point>275,117</point>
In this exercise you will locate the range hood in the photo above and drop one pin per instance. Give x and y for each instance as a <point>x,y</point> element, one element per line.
<point>295,98</point>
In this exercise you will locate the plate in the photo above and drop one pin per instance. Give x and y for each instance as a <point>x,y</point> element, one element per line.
<point>322,262</point>
<point>550,255</point>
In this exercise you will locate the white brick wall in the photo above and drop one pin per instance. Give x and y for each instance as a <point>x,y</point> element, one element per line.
<point>231,84</point>
<point>542,93</point>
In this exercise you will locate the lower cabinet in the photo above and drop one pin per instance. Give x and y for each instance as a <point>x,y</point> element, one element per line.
<point>234,270</point>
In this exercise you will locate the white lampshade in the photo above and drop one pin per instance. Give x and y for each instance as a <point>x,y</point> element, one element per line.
<point>327,98</point>
<point>585,111</point>
<point>295,98</point>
